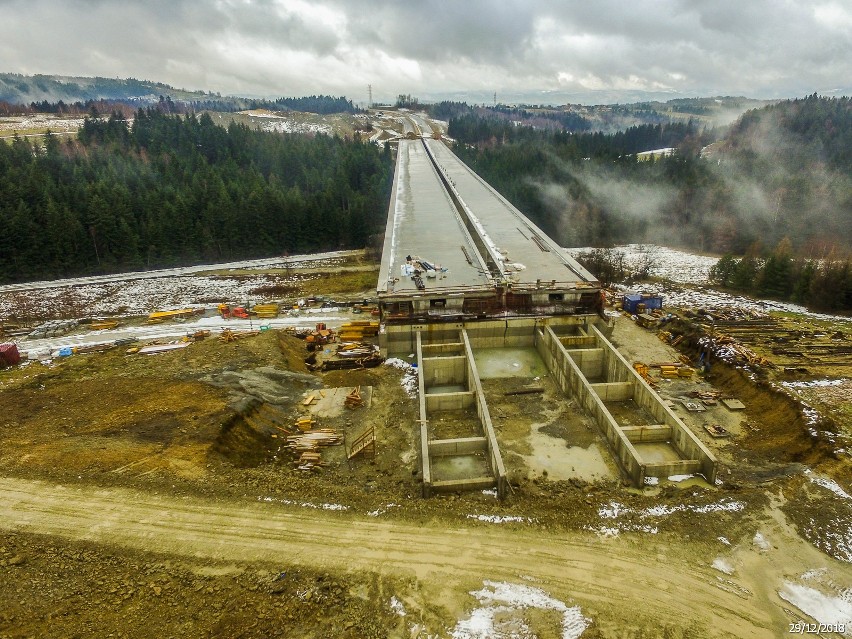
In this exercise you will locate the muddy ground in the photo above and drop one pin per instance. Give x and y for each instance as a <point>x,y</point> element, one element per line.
<point>154,440</point>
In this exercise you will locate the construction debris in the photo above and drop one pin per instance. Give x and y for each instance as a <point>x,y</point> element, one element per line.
<point>716,431</point>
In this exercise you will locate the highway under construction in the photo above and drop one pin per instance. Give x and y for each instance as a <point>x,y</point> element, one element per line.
<point>464,271</point>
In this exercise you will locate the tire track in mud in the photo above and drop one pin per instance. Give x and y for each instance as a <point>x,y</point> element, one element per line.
<point>615,578</point>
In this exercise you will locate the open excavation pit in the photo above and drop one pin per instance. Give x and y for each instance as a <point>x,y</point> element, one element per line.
<point>459,447</point>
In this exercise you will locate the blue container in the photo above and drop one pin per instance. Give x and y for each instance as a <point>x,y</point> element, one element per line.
<point>632,301</point>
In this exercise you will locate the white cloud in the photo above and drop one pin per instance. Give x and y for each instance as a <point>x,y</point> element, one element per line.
<point>760,48</point>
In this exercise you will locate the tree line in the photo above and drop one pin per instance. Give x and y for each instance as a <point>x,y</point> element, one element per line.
<point>822,285</point>
<point>171,190</point>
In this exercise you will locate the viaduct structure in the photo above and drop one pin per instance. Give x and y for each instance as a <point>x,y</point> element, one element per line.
<point>462,269</point>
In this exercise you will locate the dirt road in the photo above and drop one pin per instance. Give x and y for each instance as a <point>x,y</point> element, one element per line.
<point>619,583</point>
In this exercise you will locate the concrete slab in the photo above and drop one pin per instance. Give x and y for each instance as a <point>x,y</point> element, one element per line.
<point>733,404</point>
<point>332,404</point>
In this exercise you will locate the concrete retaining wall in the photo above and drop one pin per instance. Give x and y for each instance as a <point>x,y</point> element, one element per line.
<point>685,443</point>
<point>442,371</point>
<point>399,340</point>
<point>613,391</point>
<point>573,382</point>
<point>495,457</point>
<point>647,434</point>
<point>449,401</point>
<point>425,461</point>
<point>461,446</point>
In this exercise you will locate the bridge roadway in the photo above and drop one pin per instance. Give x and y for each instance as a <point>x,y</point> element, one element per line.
<point>455,249</point>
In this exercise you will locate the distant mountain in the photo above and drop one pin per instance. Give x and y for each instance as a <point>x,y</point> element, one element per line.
<point>23,89</point>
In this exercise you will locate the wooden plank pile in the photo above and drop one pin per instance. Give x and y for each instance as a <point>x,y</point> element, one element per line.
<point>674,370</point>
<point>357,330</point>
<point>353,399</point>
<point>307,445</point>
<point>355,350</point>
<point>265,311</point>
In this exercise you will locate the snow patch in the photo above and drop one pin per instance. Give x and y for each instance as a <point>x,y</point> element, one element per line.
<point>679,478</point>
<point>723,565</point>
<point>761,542</point>
<point>501,615</point>
<point>409,379</point>
<point>825,609</point>
<point>304,504</point>
<point>502,519</point>
<point>397,607</point>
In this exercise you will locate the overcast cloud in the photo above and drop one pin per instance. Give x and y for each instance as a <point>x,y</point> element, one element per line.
<point>579,51</point>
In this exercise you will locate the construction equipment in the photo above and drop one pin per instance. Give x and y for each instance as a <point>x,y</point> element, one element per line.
<point>320,336</point>
<point>236,312</point>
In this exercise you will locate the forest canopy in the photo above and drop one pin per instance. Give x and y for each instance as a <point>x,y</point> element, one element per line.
<point>172,190</point>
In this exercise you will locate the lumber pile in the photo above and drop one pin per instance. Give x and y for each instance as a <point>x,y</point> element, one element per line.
<point>265,311</point>
<point>307,446</point>
<point>353,399</point>
<point>305,424</point>
<point>355,350</point>
<point>674,370</point>
<point>645,372</point>
<point>357,330</point>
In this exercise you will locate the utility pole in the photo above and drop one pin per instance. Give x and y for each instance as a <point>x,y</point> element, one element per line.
<point>495,99</point>
<point>370,96</point>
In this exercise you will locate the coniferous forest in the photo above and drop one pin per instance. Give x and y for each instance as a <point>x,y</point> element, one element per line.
<point>173,190</point>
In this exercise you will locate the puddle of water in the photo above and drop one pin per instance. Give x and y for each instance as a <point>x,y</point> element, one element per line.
<point>563,462</point>
<point>459,467</point>
<point>656,452</point>
<point>494,363</point>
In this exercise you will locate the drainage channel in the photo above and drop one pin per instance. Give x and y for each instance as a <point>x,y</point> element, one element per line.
<point>459,449</point>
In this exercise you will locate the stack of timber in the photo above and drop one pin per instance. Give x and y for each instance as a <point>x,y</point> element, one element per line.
<point>350,350</point>
<point>265,311</point>
<point>356,330</point>
<point>353,399</point>
<point>673,370</point>
<point>307,446</point>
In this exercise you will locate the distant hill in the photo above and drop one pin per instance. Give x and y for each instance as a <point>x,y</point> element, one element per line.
<point>44,90</point>
<point>23,89</point>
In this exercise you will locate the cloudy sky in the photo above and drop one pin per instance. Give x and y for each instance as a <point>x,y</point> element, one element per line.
<point>579,51</point>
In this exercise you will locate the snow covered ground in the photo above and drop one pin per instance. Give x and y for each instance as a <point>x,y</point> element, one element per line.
<point>134,294</point>
<point>679,267</point>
